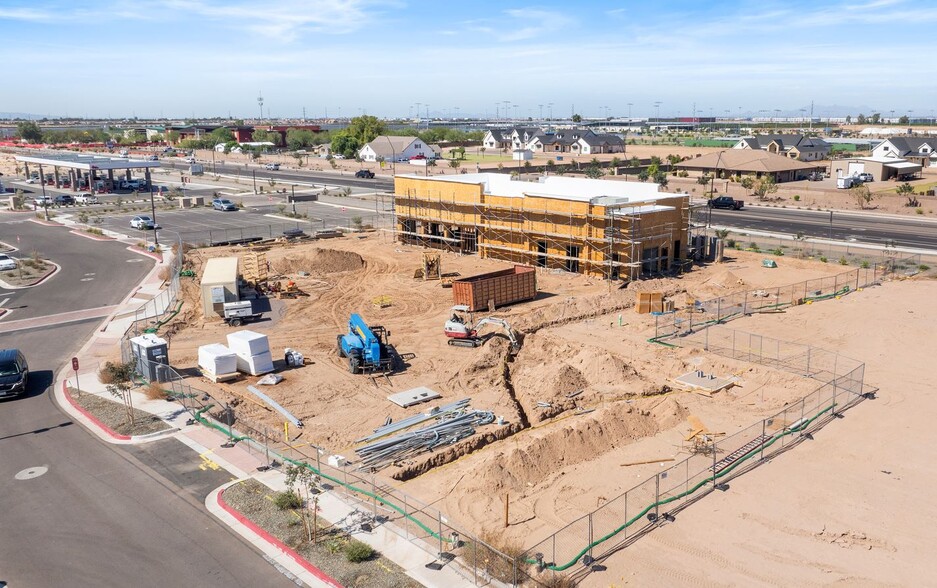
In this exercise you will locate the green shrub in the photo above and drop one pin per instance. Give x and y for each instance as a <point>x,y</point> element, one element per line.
<point>777,251</point>
<point>796,197</point>
<point>843,261</point>
<point>287,500</point>
<point>730,243</point>
<point>823,258</point>
<point>923,267</point>
<point>754,247</point>
<point>865,264</point>
<point>358,551</point>
<point>919,210</point>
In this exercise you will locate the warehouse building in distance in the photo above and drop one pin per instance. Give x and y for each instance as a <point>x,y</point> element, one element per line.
<point>617,230</point>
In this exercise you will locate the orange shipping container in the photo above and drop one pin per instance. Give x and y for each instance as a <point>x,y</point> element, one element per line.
<point>496,288</point>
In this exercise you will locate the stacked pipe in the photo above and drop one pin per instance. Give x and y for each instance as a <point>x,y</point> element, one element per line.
<point>452,426</point>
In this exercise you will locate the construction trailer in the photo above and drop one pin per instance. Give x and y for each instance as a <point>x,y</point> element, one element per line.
<point>219,285</point>
<point>612,229</point>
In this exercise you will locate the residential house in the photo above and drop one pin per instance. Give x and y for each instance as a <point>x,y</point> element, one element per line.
<point>757,163</point>
<point>393,148</point>
<point>577,141</point>
<point>515,138</point>
<point>922,151</point>
<point>796,147</point>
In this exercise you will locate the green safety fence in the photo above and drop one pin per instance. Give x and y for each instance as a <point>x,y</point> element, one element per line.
<point>727,470</point>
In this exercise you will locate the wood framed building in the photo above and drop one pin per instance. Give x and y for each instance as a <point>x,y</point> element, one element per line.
<point>617,230</point>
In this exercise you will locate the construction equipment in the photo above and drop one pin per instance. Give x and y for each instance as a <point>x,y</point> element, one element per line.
<point>465,334</point>
<point>365,347</point>
<point>432,265</point>
<point>238,313</point>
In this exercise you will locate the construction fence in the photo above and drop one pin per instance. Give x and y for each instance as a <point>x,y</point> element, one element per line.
<point>703,313</point>
<point>213,237</point>
<point>574,549</point>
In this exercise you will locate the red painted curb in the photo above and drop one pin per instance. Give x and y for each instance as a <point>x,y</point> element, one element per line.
<point>276,543</point>
<point>91,417</point>
<point>90,236</point>
<point>135,249</point>
<point>45,223</point>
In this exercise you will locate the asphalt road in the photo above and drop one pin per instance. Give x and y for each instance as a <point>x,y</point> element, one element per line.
<point>98,514</point>
<point>377,184</point>
<point>854,227</point>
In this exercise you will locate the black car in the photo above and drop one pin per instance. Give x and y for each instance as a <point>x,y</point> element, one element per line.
<point>364,173</point>
<point>64,200</point>
<point>726,202</point>
<point>14,372</point>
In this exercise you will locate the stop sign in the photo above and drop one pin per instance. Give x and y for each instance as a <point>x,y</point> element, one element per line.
<point>75,363</point>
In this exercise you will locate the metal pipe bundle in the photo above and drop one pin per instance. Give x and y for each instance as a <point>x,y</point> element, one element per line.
<point>452,426</point>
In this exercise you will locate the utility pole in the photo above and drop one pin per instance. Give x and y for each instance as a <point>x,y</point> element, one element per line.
<point>260,103</point>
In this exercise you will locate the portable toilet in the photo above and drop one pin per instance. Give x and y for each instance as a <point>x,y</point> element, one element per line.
<point>149,354</point>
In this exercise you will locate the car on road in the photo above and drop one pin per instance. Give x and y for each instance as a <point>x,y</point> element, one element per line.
<point>142,223</point>
<point>86,198</point>
<point>364,173</point>
<point>14,372</point>
<point>190,159</point>
<point>64,200</point>
<point>7,262</point>
<point>152,158</point>
<point>272,166</point>
<point>223,204</point>
<point>32,180</point>
<point>42,201</point>
<point>338,156</point>
<point>726,202</point>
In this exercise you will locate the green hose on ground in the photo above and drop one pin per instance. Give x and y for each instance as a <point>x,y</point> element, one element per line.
<point>198,417</point>
<point>727,470</point>
<point>162,322</point>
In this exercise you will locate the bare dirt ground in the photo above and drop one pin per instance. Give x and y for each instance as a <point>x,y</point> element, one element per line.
<point>846,509</point>
<point>611,393</point>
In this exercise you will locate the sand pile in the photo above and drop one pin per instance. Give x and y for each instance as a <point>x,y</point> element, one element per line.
<point>533,457</point>
<point>551,369</point>
<point>319,261</point>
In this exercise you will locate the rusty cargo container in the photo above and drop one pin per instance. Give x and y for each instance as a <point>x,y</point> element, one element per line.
<point>496,288</point>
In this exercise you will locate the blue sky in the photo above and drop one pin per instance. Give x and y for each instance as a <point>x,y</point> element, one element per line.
<point>179,58</point>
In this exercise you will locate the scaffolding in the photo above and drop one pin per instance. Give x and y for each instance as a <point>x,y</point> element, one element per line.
<point>603,236</point>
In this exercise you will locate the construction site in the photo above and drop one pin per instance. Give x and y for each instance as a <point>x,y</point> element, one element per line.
<point>595,227</point>
<point>515,399</point>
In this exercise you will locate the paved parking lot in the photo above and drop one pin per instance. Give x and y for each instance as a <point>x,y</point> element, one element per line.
<point>209,226</point>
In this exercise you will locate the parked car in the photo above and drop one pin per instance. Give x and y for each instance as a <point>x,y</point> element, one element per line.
<point>43,201</point>
<point>132,185</point>
<point>418,156</point>
<point>364,173</point>
<point>7,262</point>
<point>338,156</point>
<point>815,176</point>
<point>272,166</point>
<point>726,202</point>
<point>32,180</point>
<point>142,223</point>
<point>86,198</point>
<point>64,200</point>
<point>223,204</point>
<point>865,177</point>
<point>14,372</point>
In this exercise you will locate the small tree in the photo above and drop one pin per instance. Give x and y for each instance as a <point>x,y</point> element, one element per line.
<point>454,163</point>
<point>862,194</point>
<point>765,185</point>
<point>550,165</point>
<point>118,379</point>
<point>748,182</point>
<point>357,222</point>
<point>594,172</point>
<point>307,482</point>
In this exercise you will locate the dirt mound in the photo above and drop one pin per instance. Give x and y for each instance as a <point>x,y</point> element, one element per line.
<point>319,261</point>
<point>551,370</point>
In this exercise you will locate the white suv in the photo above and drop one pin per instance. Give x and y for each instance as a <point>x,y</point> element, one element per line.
<point>86,198</point>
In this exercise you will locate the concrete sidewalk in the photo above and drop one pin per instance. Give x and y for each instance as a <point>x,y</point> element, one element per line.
<point>241,461</point>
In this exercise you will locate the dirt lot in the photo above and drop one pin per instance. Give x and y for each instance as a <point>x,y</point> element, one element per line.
<point>579,336</point>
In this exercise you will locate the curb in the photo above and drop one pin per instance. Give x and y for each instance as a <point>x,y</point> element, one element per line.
<point>45,223</point>
<point>90,236</point>
<point>90,416</point>
<point>136,249</point>
<point>57,269</point>
<point>274,541</point>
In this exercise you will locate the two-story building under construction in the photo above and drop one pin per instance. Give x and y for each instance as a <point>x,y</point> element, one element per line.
<point>598,227</point>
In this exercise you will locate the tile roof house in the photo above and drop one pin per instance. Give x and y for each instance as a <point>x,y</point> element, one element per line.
<point>797,147</point>
<point>395,148</point>
<point>751,162</point>
<point>582,141</point>
<point>922,151</point>
<point>514,138</point>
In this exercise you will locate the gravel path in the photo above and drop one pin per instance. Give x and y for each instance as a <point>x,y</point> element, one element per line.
<point>114,414</point>
<point>254,500</point>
